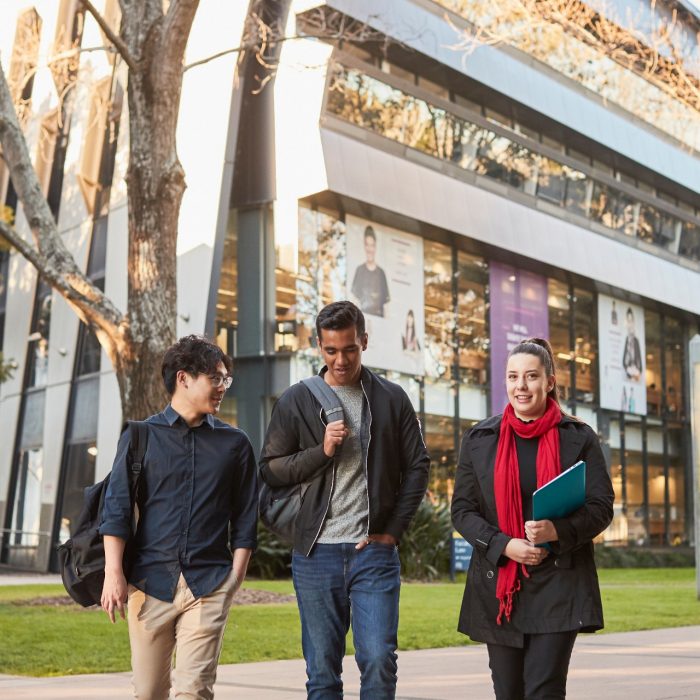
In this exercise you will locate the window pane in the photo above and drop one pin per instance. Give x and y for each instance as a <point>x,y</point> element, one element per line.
<point>674,358</point>
<point>98,248</point>
<point>634,487</point>
<point>657,486</point>
<point>85,409</point>
<point>586,355</point>
<point>551,184</point>
<point>690,241</point>
<point>79,471</point>
<point>617,530</point>
<point>33,419</point>
<point>578,189</point>
<point>38,346</point>
<point>676,487</point>
<point>472,338</point>
<point>439,313</point>
<point>652,332</point>
<point>89,352</point>
<point>26,511</point>
<point>559,315</point>
<point>440,441</point>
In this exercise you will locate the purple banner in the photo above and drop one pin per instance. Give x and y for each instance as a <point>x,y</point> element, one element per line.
<point>518,311</point>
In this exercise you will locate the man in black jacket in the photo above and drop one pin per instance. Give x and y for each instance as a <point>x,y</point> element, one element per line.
<point>366,476</point>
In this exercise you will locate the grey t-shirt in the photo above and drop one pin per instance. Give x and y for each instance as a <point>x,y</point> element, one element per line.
<point>348,513</point>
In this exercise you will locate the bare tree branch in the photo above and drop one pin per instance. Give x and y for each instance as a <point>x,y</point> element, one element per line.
<point>177,27</point>
<point>50,256</point>
<point>70,53</point>
<point>114,38</point>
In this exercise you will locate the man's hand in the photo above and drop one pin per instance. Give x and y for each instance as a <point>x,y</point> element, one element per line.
<point>114,588</point>
<point>114,593</point>
<point>336,432</point>
<point>241,558</point>
<point>524,552</point>
<point>381,538</point>
<point>540,531</point>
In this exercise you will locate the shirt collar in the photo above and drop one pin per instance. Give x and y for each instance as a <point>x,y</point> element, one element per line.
<point>172,416</point>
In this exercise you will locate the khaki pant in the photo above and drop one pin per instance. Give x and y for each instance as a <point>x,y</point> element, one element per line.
<point>191,628</point>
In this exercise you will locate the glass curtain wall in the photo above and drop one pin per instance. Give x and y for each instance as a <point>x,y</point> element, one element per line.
<point>499,149</point>
<point>453,391</point>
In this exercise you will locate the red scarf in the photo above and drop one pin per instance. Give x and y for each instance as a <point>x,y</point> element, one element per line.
<point>506,480</point>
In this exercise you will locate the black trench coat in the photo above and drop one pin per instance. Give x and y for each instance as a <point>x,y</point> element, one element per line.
<point>562,593</point>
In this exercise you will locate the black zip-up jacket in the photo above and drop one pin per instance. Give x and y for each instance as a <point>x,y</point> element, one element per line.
<point>562,593</point>
<point>397,460</point>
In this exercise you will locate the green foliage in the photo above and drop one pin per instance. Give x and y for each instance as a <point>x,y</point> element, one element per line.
<point>272,558</point>
<point>7,369</point>
<point>425,547</point>
<point>7,216</point>
<point>642,557</point>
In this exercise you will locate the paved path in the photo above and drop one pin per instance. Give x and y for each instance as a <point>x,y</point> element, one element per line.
<point>655,665</point>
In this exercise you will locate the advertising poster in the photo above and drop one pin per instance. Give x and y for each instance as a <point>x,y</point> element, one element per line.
<point>518,311</point>
<point>385,279</point>
<point>622,353</point>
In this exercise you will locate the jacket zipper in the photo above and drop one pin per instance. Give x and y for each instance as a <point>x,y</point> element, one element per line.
<point>330,495</point>
<point>366,455</point>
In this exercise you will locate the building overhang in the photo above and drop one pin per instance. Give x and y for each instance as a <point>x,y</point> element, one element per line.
<point>402,184</point>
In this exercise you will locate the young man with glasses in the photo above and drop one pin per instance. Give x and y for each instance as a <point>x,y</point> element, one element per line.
<point>196,529</point>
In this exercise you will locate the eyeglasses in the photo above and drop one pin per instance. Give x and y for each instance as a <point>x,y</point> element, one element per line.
<point>217,380</point>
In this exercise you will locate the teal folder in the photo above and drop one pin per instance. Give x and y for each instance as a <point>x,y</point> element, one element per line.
<point>562,495</point>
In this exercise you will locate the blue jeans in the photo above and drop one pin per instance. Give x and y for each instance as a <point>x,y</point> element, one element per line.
<point>337,585</point>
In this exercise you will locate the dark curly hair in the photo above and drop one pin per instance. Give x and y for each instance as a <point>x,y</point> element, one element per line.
<point>195,355</point>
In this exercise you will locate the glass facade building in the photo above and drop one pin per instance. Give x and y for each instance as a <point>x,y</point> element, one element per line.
<point>537,185</point>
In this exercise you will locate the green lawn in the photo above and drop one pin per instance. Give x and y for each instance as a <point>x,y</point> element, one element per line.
<point>46,640</point>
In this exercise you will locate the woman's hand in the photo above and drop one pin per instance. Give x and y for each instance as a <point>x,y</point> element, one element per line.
<point>540,531</point>
<point>524,552</point>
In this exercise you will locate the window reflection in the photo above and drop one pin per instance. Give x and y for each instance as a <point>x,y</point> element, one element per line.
<point>440,321</point>
<point>372,104</point>
<point>674,361</point>
<point>38,346</point>
<point>321,276</point>
<point>690,241</point>
<point>472,338</point>
<point>559,319</point>
<point>676,488</point>
<point>652,333</point>
<point>614,80</point>
<point>586,347</point>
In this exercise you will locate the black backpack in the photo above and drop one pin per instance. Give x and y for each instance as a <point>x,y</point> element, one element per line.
<point>82,557</point>
<point>280,505</point>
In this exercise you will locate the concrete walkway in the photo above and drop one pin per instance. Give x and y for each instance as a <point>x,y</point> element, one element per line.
<point>655,665</point>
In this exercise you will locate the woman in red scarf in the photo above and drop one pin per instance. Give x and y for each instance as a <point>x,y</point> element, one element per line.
<point>525,601</point>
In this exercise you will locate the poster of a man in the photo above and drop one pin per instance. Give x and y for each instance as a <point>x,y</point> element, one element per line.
<point>369,286</point>
<point>632,355</point>
<point>385,279</point>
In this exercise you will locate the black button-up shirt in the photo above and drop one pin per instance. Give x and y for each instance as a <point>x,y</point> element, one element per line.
<point>200,503</point>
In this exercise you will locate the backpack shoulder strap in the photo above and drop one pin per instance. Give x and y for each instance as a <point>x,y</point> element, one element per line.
<point>326,397</point>
<point>138,443</point>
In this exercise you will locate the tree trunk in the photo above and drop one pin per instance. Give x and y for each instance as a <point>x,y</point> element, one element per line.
<point>155,186</point>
